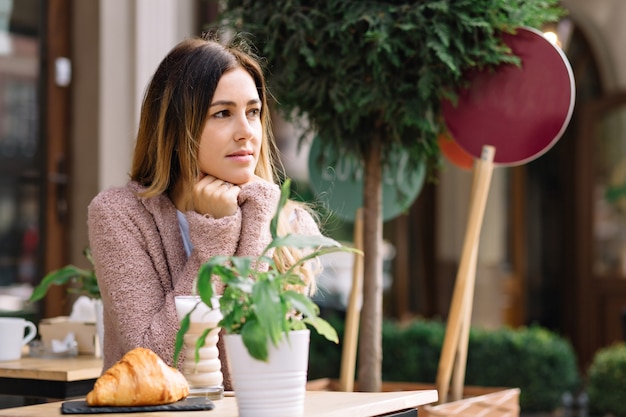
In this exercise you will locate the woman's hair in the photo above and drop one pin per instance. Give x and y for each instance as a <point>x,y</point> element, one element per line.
<point>173,113</point>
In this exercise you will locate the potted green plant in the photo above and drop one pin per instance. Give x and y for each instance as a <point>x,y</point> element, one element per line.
<point>82,281</point>
<point>264,317</point>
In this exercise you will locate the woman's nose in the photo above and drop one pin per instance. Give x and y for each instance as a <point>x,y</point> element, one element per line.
<point>244,129</point>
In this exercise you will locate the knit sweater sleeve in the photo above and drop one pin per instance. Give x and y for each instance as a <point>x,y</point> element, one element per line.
<point>133,293</point>
<point>258,201</point>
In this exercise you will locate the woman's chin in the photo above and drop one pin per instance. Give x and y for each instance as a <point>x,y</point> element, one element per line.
<point>240,180</point>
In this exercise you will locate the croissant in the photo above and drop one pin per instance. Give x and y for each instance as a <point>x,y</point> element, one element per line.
<point>139,378</point>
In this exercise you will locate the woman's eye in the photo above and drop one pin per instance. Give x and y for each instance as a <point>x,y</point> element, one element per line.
<point>254,112</point>
<point>221,114</point>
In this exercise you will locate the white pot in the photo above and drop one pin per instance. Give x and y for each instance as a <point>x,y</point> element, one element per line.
<point>270,389</point>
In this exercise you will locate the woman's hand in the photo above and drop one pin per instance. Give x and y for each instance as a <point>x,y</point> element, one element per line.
<point>214,197</point>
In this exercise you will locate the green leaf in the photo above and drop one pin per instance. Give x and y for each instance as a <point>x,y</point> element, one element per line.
<point>61,276</point>
<point>204,284</point>
<point>242,264</point>
<point>242,284</point>
<point>268,310</point>
<point>235,307</point>
<point>200,343</point>
<point>303,241</point>
<point>255,340</point>
<point>302,303</point>
<point>180,337</point>
<point>284,196</point>
<point>323,328</point>
<point>444,56</point>
<point>297,325</point>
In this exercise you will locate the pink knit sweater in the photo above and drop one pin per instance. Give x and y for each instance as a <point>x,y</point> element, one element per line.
<point>141,264</point>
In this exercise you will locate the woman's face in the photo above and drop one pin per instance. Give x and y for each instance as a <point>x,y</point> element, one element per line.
<point>231,138</point>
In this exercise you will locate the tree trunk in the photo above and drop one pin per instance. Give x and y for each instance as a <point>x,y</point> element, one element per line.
<point>370,337</point>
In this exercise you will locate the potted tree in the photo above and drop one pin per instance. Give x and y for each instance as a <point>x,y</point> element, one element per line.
<point>266,322</point>
<point>369,78</point>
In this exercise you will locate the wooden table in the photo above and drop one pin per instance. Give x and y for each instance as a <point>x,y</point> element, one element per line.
<point>58,378</point>
<point>317,404</point>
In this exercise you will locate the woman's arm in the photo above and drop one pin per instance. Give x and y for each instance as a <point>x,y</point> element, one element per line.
<point>258,201</point>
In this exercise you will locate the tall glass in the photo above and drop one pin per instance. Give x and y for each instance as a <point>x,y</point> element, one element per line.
<point>205,376</point>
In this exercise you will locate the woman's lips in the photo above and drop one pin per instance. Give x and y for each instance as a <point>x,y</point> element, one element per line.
<point>241,156</point>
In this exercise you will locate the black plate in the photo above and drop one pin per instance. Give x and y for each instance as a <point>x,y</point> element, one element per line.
<point>188,404</point>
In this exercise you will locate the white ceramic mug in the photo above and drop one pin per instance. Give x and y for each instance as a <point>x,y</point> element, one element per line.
<point>13,338</point>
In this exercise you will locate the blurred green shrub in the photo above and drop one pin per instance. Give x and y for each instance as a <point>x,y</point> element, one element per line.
<point>539,362</point>
<point>606,384</point>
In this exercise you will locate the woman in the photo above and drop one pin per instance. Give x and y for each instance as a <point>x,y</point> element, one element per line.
<point>201,184</point>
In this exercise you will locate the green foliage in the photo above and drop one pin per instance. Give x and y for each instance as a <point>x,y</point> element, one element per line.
<point>535,359</point>
<point>539,362</point>
<point>607,379</point>
<point>416,344</point>
<point>82,281</point>
<point>263,306</point>
<point>366,71</point>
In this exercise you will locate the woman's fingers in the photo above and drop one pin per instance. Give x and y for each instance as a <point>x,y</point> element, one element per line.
<point>215,197</point>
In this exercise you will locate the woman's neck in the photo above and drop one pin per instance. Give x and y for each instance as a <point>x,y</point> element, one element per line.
<point>179,198</point>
